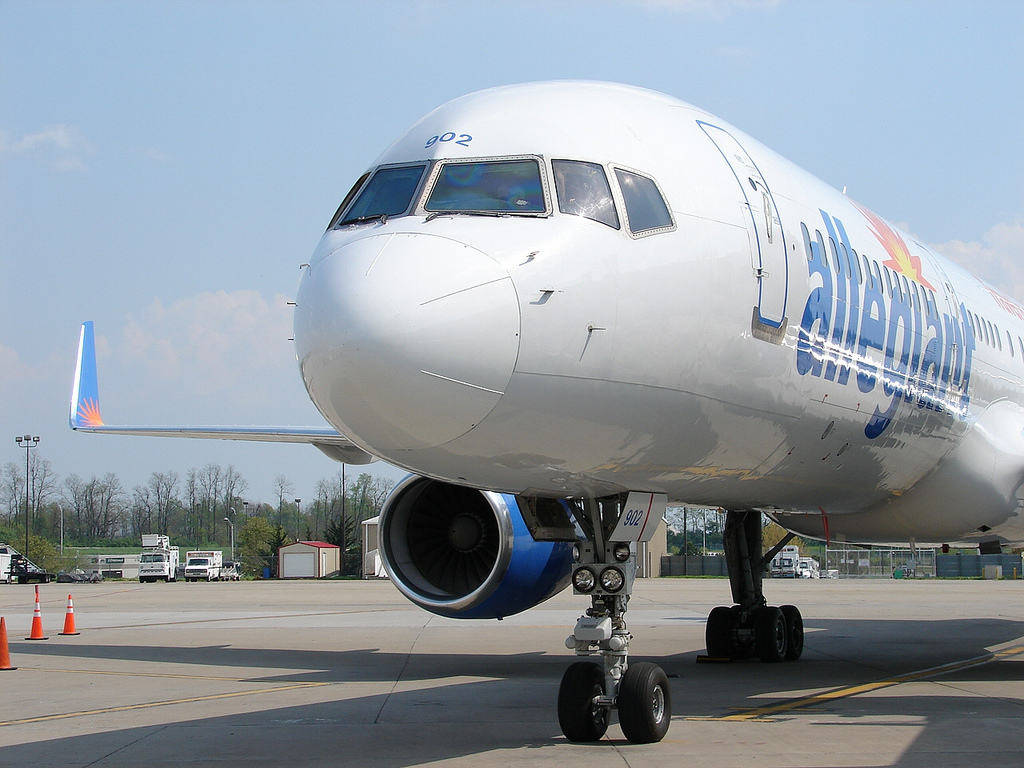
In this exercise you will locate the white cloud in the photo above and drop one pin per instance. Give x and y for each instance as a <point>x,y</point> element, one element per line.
<point>63,147</point>
<point>998,258</point>
<point>12,367</point>
<point>214,342</point>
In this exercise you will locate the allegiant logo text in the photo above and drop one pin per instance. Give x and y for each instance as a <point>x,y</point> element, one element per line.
<point>897,339</point>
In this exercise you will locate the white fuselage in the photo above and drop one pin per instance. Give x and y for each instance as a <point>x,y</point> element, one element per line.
<point>728,359</point>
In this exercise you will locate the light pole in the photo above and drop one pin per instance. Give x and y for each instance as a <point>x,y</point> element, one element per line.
<point>232,525</point>
<point>28,442</point>
<point>61,508</point>
<point>298,516</point>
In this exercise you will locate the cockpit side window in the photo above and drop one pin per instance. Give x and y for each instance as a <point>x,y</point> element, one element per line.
<point>645,207</point>
<point>493,186</point>
<point>388,193</point>
<point>348,199</point>
<point>583,190</point>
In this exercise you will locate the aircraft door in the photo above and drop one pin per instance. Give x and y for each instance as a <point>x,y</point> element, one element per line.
<point>771,269</point>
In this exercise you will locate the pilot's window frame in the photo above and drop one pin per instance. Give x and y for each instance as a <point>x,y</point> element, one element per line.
<point>441,162</point>
<point>417,192</point>
<point>347,201</point>
<point>621,198</point>
<point>608,186</point>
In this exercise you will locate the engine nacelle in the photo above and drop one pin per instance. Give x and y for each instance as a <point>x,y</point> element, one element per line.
<point>467,554</point>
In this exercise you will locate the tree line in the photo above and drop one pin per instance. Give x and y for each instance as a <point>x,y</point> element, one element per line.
<point>188,507</point>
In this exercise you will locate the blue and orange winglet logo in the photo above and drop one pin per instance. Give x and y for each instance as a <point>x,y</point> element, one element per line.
<point>85,400</point>
<point>901,260</point>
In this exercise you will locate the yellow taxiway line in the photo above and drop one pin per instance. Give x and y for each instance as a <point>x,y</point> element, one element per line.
<point>856,690</point>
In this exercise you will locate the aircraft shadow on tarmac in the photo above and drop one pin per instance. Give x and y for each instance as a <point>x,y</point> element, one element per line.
<point>514,707</point>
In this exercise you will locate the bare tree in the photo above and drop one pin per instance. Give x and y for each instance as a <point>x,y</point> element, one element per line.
<point>164,488</point>
<point>234,486</point>
<point>210,483</point>
<point>192,500</point>
<point>42,482</point>
<point>140,513</point>
<point>282,487</point>
<point>12,490</point>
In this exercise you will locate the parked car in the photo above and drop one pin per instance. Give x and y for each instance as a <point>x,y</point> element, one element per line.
<point>78,575</point>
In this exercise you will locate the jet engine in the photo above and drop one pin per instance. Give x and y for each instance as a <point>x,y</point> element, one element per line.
<point>467,554</point>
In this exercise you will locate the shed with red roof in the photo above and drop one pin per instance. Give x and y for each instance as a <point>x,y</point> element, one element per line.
<point>308,560</point>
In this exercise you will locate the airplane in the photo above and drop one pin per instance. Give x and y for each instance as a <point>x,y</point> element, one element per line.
<point>560,305</point>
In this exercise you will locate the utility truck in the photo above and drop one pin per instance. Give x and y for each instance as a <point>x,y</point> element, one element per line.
<point>14,566</point>
<point>203,565</point>
<point>809,568</point>
<point>786,564</point>
<point>159,560</point>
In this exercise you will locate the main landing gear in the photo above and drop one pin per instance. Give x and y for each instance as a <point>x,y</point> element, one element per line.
<point>751,627</point>
<point>639,691</point>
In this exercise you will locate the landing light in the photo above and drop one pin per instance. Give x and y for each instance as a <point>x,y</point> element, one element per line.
<point>621,551</point>
<point>584,580</point>
<point>612,579</point>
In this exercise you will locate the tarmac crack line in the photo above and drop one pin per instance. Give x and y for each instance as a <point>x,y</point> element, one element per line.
<point>401,672</point>
<point>855,690</point>
<point>164,703</point>
<point>147,674</point>
<point>147,625</point>
<point>131,743</point>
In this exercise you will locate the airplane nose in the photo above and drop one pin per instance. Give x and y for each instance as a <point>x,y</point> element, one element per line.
<point>406,341</point>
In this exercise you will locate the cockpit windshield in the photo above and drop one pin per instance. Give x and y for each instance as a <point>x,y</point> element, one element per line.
<point>388,193</point>
<point>501,186</point>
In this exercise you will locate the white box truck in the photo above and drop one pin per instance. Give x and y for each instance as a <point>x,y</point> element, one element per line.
<point>5,564</point>
<point>159,560</point>
<point>203,565</point>
<point>786,564</point>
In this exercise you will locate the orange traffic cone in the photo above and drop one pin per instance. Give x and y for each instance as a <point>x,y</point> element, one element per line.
<point>5,655</point>
<point>69,620</point>
<point>37,622</point>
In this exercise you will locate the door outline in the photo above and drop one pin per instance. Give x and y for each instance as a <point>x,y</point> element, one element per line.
<point>761,272</point>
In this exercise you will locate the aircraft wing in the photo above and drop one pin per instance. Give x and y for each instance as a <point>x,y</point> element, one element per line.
<point>84,416</point>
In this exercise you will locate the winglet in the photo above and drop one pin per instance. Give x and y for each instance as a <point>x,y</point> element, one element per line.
<point>85,397</point>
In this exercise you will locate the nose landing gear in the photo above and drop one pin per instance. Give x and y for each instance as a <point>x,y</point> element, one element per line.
<point>605,572</point>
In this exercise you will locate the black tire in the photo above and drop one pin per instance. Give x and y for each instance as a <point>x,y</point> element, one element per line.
<point>770,634</point>
<point>645,703</point>
<point>579,718</point>
<point>794,632</point>
<point>718,638</point>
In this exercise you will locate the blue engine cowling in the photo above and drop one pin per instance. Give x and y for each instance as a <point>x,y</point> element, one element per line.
<point>467,554</point>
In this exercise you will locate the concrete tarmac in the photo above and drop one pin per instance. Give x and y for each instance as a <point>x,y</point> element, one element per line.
<point>894,673</point>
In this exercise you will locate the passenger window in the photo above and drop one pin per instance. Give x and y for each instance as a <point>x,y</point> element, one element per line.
<point>1020,346</point>
<point>583,190</point>
<point>867,270</point>
<point>999,337</point>
<point>856,261</point>
<point>388,193</point>
<point>906,288</point>
<point>835,256</point>
<point>645,207</point>
<point>1009,343</point>
<point>348,199</point>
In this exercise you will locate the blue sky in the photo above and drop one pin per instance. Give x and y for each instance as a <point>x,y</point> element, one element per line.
<point>165,167</point>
